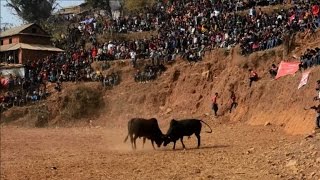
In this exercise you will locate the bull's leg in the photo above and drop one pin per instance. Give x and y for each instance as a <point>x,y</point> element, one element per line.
<point>134,141</point>
<point>174,144</point>
<point>131,140</point>
<point>199,139</point>
<point>144,141</point>
<point>152,144</point>
<point>181,139</point>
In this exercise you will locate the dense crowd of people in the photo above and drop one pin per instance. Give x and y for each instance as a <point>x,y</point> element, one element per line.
<point>59,68</point>
<point>190,27</point>
<point>149,73</point>
<point>310,58</point>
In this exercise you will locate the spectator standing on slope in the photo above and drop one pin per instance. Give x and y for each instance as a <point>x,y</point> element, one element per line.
<point>215,104</point>
<point>253,77</point>
<point>317,109</point>
<point>133,56</point>
<point>233,103</point>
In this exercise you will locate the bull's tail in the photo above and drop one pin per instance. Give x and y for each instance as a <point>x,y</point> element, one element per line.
<point>125,140</point>
<point>208,126</point>
<point>129,130</point>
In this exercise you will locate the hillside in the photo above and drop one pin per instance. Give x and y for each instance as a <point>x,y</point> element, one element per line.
<point>185,91</point>
<point>188,95</point>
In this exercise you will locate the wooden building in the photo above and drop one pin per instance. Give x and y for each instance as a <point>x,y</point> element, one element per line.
<point>26,42</point>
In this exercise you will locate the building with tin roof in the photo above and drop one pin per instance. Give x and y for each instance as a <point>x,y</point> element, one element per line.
<point>26,42</point>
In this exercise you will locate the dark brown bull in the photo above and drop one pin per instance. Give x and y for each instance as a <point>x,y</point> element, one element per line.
<point>145,128</point>
<point>181,128</point>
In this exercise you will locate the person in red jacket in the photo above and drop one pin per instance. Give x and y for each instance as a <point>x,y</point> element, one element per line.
<point>253,77</point>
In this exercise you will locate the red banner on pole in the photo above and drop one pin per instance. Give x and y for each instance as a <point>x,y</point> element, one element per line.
<point>286,68</point>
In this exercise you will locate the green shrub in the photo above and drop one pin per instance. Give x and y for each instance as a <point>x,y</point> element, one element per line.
<point>82,102</point>
<point>137,5</point>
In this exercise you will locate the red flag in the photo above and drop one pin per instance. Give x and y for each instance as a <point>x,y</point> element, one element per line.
<point>287,68</point>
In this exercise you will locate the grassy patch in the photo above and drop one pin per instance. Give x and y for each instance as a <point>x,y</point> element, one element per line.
<point>82,102</point>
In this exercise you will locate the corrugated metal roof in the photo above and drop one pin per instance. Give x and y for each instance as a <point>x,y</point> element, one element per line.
<point>15,30</point>
<point>6,47</point>
<point>69,10</point>
<point>38,47</point>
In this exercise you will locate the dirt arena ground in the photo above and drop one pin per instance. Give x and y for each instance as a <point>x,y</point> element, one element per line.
<point>232,151</point>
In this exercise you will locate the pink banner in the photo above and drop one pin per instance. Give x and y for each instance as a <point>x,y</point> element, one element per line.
<point>286,68</point>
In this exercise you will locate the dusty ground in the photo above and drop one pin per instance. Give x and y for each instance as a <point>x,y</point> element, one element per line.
<point>232,151</point>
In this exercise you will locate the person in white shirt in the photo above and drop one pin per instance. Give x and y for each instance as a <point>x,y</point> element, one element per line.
<point>133,55</point>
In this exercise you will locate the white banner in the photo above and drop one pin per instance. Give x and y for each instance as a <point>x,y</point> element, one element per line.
<point>304,79</point>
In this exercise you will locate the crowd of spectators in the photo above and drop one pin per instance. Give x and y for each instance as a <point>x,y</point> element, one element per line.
<point>191,27</point>
<point>149,73</point>
<point>20,91</point>
<point>310,58</point>
<point>55,69</point>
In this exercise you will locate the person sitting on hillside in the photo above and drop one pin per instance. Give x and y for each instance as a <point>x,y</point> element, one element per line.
<point>273,70</point>
<point>253,77</point>
<point>58,86</point>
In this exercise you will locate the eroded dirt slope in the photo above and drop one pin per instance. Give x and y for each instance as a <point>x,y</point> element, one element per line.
<point>184,91</point>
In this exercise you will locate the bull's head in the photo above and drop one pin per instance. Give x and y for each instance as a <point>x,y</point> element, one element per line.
<point>166,140</point>
<point>159,140</point>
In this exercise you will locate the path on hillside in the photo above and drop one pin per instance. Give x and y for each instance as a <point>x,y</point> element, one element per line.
<point>232,152</point>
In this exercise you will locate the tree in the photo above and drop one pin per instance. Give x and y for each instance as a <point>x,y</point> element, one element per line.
<point>137,5</point>
<point>32,11</point>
